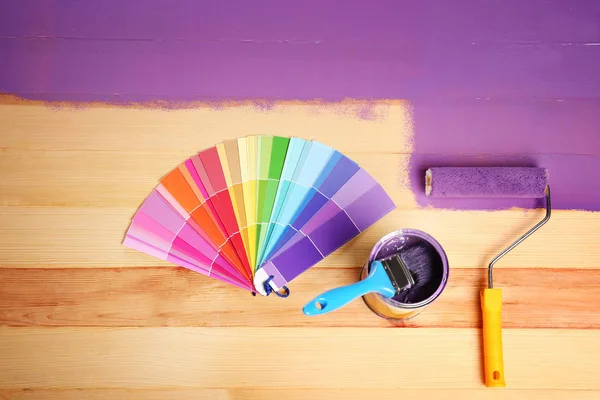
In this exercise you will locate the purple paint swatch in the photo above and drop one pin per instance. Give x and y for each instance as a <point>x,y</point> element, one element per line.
<point>336,173</point>
<point>352,209</point>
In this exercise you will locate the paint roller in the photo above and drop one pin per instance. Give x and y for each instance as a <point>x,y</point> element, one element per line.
<point>506,182</point>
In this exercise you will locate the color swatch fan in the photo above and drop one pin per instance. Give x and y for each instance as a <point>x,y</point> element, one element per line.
<point>256,212</point>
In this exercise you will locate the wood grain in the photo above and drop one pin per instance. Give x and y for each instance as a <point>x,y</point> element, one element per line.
<point>76,237</point>
<point>290,394</point>
<point>177,297</point>
<point>83,317</point>
<point>289,358</point>
<point>34,125</point>
<point>73,178</point>
<point>101,179</point>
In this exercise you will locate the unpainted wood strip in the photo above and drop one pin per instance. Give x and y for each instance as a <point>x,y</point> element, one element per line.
<point>335,358</point>
<point>34,125</point>
<point>291,394</point>
<point>533,298</point>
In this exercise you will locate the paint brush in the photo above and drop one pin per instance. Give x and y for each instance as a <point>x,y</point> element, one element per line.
<point>402,276</point>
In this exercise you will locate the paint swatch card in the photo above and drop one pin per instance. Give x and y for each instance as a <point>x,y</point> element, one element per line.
<point>353,208</point>
<point>257,211</point>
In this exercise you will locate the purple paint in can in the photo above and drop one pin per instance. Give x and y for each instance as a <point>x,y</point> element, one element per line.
<point>394,243</point>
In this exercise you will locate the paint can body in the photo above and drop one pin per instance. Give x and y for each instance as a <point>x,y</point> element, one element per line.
<point>394,243</point>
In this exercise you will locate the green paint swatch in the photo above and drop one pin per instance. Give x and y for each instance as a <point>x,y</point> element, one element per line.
<point>271,158</point>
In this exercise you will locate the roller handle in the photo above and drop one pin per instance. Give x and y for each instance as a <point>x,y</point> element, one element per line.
<point>491,307</point>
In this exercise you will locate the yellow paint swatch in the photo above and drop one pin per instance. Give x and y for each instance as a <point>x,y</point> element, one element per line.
<point>252,144</point>
<point>245,175</point>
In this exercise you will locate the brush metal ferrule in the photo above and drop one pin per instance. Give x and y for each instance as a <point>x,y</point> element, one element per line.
<point>398,272</point>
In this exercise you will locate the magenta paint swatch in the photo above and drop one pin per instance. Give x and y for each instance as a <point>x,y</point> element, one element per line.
<point>158,224</point>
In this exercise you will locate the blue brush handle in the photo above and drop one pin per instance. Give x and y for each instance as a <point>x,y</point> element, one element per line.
<point>377,281</point>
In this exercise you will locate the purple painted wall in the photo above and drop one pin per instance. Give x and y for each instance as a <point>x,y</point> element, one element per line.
<point>498,81</point>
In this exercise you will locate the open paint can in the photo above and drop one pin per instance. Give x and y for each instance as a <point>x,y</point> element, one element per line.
<point>394,243</point>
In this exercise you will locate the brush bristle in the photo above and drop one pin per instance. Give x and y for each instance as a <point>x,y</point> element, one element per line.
<point>420,260</point>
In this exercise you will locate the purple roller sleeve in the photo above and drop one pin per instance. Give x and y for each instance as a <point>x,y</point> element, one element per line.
<point>525,182</point>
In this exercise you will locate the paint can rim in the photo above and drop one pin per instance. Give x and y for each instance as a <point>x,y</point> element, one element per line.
<point>409,232</point>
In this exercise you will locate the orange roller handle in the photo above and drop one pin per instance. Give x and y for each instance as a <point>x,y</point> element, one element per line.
<point>491,307</point>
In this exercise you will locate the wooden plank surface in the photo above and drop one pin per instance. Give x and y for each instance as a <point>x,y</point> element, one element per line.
<point>83,317</point>
<point>126,297</point>
<point>291,358</point>
<point>290,394</point>
<point>34,125</point>
<point>76,237</point>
